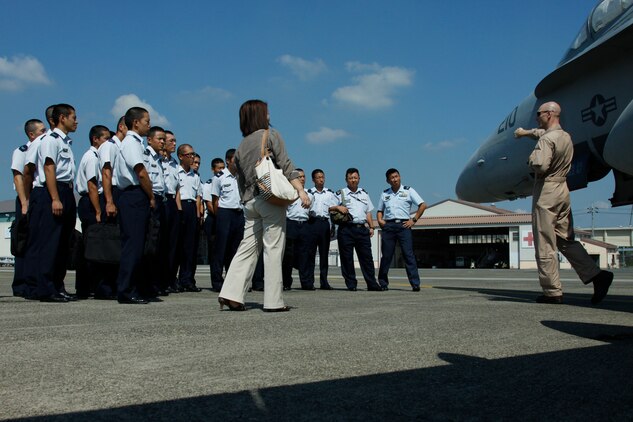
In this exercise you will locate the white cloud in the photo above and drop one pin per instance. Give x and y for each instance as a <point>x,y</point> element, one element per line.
<point>442,145</point>
<point>521,211</point>
<point>376,85</point>
<point>601,204</point>
<point>208,92</point>
<point>325,135</point>
<point>125,102</point>
<point>302,68</point>
<point>19,71</point>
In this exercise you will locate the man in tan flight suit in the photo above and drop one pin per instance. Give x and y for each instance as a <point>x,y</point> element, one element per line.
<point>552,221</point>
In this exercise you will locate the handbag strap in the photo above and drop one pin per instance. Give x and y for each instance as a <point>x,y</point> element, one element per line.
<point>264,150</point>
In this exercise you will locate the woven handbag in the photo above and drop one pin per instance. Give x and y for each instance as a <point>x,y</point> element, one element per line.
<point>273,186</point>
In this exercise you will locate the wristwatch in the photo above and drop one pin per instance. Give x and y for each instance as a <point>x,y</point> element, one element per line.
<point>415,220</point>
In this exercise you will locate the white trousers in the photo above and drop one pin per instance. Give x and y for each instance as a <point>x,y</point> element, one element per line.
<point>265,228</point>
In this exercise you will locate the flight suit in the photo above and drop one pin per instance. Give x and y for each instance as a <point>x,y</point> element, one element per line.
<point>552,221</point>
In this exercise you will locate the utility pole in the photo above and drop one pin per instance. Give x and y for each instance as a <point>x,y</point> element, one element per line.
<point>593,210</point>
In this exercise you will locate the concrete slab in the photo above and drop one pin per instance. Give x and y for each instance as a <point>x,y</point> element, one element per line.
<point>471,345</point>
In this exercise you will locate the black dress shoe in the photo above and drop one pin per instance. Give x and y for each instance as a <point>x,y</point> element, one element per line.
<point>259,289</point>
<point>69,297</point>
<point>326,287</point>
<point>153,299</point>
<point>416,288</point>
<point>352,289</point>
<point>308,288</point>
<point>282,309</point>
<point>554,300</point>
<point>287,288</point>
<point>172,289</point>
<point>601,284</point>
<point>163,292</point>
<point>376,289</point>
<point>133,301</point>
<point>58,298</point>
<point>191,289</point>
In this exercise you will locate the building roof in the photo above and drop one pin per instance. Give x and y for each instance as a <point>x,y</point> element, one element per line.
<point>475,220</point>
<point>491,209</point>
<point>598,243</point>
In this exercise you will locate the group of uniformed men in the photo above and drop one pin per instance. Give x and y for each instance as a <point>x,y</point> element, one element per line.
<point>143,188</point>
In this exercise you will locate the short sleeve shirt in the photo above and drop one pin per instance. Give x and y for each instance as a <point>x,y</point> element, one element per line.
<point>397,205</point>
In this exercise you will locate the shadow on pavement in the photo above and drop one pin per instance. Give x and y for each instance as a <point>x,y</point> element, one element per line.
<point>592,383</point>
<point>611,302</point>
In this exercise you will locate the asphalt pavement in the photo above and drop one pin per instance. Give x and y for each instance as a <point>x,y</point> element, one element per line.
<point>471,345</point>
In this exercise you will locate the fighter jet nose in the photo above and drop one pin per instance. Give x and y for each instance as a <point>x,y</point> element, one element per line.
<point>467,182</point>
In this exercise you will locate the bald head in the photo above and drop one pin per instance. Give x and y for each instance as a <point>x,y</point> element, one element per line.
<point>548,115</point>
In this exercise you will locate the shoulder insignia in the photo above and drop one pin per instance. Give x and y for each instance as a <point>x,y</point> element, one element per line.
<point>338,192</point>
<point>146,152</point>
<point>23,148</point>
<point>311,190</point>
<point>55,134</point>
<point>328,190</point>
<point>362,190</point>
<point>95,153</point>
<point>407,187</point>
<point>386,190</point>
<point>137,138</point>
<point>210,181</point>
<point>112,141</point>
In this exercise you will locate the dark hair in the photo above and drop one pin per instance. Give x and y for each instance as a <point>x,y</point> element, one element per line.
<point>153,130</point>
<point>301,170</point>
<point>61,110</point>
<point>216,161</point>
<point>351,170</point>
<point>112,134</point>
<point>169,132</point>
<point>316,171</point>
<point>97,131</point>
<point>29,126</point>
<point>253,116</point>
<point>120,122</point>
<point>181,147</point>
<point>230,153</point>
<point>390,172</point>
<point>196,155</point>
<point>49,113</point>
<point>134,113</point>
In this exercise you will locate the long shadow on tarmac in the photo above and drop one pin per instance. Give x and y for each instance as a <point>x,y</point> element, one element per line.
<point>612,302</point>
<point>592,383</point>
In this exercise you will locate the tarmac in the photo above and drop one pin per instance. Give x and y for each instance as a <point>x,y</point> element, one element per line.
<point>472,345</point>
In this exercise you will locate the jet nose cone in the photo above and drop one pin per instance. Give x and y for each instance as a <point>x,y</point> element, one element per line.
<point>467,183</point>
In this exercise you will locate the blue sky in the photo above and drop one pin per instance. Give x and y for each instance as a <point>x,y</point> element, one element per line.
<point>415,85</point>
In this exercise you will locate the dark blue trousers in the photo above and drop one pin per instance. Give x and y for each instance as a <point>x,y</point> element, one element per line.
<point>133,216</point>
<point>356,237</point>
<point>187,243</point>
<point>295,254</point>
<point>89,275</point>
<point>49,241</point>
<point>318,237</point>
<point>19,286</point>
<point>393,232</point>
<point>108,287</point>
<point>156,265</point>
<point>172,222</point>
<point>229,231</point>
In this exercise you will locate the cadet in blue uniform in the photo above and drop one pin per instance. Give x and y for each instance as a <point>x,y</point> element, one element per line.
<point>91,276</point>
<point>229,219</point>
<point>356,234</point>
<point>190,217</point>
<point>34,129</point>
<point>394,218</point>
<point>52,210</point>
<point>108,156</point>
<point>295,252</point>
<point>169,282</point>
<point>217,165</point>
<point>136,198</point>
<point>318,230</point>
<point>157,265</point>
